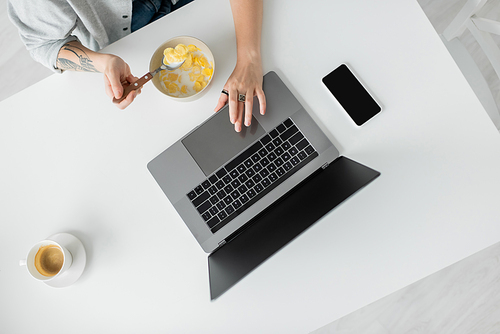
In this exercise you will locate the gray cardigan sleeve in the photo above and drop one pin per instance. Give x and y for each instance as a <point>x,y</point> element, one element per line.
<point>44,27</point>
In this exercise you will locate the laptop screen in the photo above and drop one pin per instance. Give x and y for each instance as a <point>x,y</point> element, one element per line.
<point>215,142</point>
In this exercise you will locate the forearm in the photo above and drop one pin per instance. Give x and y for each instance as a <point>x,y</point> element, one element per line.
<point>247,16</point>
<point>74,56</point>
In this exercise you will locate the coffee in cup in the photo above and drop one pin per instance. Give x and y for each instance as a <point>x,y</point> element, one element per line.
<point>47,260</point>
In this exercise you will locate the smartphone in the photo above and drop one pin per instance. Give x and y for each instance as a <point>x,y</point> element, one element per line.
<point>351,94</point>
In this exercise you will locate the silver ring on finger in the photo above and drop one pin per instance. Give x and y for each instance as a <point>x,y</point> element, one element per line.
<point>241,98</point>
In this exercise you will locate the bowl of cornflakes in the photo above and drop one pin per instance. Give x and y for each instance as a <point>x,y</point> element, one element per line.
<point>189,81</point>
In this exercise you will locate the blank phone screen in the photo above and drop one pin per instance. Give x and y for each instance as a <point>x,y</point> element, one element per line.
<point>353,97</point>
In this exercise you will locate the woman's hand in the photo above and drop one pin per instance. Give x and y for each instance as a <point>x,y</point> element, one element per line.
<point>117,76</point>
<point>73,56</point>
<point>246,79</point>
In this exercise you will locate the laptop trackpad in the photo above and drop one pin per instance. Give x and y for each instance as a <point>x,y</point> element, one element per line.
<point>215,142</point>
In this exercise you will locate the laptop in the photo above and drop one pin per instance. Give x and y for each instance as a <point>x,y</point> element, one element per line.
<point>219,180</point>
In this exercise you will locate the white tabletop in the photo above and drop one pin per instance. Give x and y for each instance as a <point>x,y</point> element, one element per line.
<point>72,162</point>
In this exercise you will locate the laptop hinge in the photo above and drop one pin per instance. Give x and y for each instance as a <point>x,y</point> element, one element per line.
<point>258,216</point>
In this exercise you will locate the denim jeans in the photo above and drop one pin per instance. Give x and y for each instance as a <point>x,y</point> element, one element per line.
<point>147,11</point>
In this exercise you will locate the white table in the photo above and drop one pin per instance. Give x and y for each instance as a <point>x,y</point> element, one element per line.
<point>72,162</point>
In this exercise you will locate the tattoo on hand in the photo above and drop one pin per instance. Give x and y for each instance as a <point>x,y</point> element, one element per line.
<point>85,64</point>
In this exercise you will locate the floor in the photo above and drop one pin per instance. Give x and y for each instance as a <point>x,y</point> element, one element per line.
<point>463,298</point>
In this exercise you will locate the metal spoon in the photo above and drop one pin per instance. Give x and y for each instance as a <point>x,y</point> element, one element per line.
<point>145,78</point>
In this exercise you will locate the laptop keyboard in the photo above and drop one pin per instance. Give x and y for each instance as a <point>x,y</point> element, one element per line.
<point>251,175</point>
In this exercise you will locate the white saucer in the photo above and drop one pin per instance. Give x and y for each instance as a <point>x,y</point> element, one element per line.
<point>75,247</point>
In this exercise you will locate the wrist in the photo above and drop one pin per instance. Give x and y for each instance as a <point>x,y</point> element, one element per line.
<point>105,61</point>
<point>248,56</point>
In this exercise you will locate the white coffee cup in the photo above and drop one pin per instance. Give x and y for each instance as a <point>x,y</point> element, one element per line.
<point>47,260</point>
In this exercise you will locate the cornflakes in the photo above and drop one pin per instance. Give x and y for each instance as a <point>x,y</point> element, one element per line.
<point>172,76</point>
<point>196,65</point>
<point>192,48</point>
<point>207,72</point>
<point>176,55</point>
<point>197,86</point>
